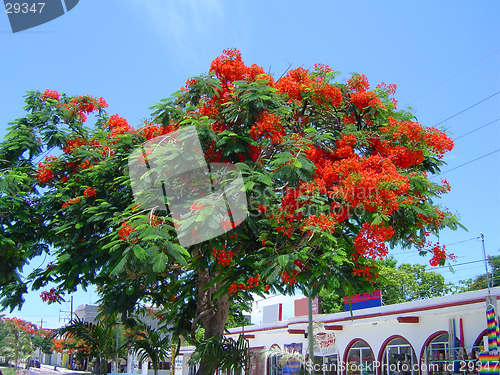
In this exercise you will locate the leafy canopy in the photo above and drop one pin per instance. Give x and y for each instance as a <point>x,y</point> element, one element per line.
<point>333,172</point>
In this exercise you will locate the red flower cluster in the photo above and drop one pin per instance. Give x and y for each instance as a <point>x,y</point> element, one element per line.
<point>44,174</point>
<point>71,201</point>
<point>230,67</point>
<point>390,88</point>
<point>196,206</point>
<point>23,326</point>
<point>366,99</point>
<point>358,82</point>
<point>252,282</point>
<point>291,279</point>
<point>155,220</point>
<point>80,106</point>
<point>125,231</point>
<point>325,222</point>
<point>366,272</point>
<point>438,254</point>
<point>151,131</point>
<point>370,241</point>
<point>119,125</point>
<point>269,126</point>
<point>294,84</point>
<point>236,287</point>
<point>222,257</point>
<point>90,192</point>
<point>50,94</point>
<point>51,296</point>
<point>75,143</point>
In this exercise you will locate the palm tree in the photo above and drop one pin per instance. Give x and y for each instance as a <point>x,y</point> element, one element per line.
<point>98,337</point>
<point>222,353</point>
<point>150,343</point>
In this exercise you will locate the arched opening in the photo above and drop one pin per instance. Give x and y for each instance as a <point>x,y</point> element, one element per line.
<point>273,363</point>
<point>442,357</point>
<point>479,343</point>
<point>398,357</point>
<point>360,358</point>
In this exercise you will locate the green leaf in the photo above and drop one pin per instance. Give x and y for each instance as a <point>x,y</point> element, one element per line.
<point>139,252</point>
<point>160,263</point>
<point>119,267</point>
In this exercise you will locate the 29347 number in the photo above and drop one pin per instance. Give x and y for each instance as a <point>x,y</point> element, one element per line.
<point>23,7</point>
<point>479,366</point>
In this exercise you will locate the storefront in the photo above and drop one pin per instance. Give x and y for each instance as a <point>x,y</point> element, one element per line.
<point>426,337</point>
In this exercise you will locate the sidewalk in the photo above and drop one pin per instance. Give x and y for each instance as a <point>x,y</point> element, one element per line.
<point>49,370</point>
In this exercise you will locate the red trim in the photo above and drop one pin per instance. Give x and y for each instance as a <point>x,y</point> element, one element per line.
<point>249,336</point>
<point>408,319</point>
<point>280,313</point>
<point>296,331</point>
<point>337,327</point>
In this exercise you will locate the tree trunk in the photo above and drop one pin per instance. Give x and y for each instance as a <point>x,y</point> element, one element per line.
<point>212,313</point>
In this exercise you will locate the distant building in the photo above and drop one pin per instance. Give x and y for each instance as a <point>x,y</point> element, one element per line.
<point>87,313</point>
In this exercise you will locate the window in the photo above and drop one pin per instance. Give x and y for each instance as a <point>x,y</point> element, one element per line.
<point>327,364</point>
<point>399,358</point>
<point>273,363</point>
<point>444,358</point>
<point>360,359</point>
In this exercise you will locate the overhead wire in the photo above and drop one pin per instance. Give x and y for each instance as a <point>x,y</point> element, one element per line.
<point>466,109</point>
<point>472,131</point>
<point>449,79</point>
<point>461,165</point>
<point>447,245</point>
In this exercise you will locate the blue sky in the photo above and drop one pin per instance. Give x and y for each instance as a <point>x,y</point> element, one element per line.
<point>444,56</point>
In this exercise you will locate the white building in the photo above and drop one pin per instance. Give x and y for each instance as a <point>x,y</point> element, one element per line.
<point>87,313</point>
<point>413,338</point>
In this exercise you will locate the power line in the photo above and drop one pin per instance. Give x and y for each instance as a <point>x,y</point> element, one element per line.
<point>449,79</point>
<point>472,131</point>
<point>447,245</point>
<point>446,268</point>
<point>461,165</point>
<point>456,243</point>
<point>466,109</point>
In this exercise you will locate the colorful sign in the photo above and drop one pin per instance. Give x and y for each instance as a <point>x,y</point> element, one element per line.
<point>363,301</point>
<point>292,366</point>
<point>324,344</point>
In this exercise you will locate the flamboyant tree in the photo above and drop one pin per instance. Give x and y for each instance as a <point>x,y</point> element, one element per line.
<point>19,339</point>
<point>333,174</point>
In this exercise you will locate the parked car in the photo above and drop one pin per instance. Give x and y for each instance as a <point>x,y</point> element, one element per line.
<point>33,363</point>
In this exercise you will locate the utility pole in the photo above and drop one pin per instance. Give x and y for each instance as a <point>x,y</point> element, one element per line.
<point>70,361</point>
<point>486,263</point>
<point>41,323</point>
<point>310,327</point>
<point>70,311</point>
